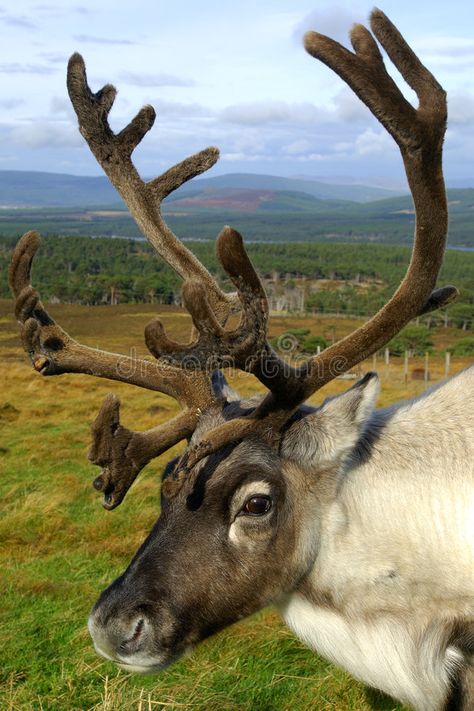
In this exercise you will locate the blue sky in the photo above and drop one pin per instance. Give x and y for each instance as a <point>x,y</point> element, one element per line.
<point>231,74</point>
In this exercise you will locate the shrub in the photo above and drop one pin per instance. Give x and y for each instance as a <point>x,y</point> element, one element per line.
<point>414,339</point>
<point>290,341</point>
<point>310,345</point>
<point>465,347</point>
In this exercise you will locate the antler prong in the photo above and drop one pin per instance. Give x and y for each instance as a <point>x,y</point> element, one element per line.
<point>157,340</point>
<point>113,153</point>
<point>196,302</point>
<point>122,453</point>
<point>180,173</point>
<point>365,46</point>
<point>94,108</point>
<point>130,136</point>
<point>439,298</point>
<point>215,347</point>
<point>417,76</point>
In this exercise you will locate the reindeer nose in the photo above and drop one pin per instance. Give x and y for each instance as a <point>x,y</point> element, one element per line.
<point>117,638</point>
<point>135,642</point>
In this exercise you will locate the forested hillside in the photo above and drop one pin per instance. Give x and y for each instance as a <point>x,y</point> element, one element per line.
<point>21,188</point>
<point>261,216</point>
<point>346,278</point>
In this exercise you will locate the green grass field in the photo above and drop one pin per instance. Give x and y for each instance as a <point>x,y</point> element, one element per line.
<point>59,548</point>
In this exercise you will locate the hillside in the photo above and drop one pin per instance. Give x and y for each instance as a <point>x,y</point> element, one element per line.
<point>246,200</point>
<point>32,189</point>
<point>262,207</point>
<point>351,278</point>
<point>261,216</point>
<point>318,189</point>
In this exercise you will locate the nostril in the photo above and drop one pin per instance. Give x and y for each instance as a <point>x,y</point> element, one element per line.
<point>133,643</point>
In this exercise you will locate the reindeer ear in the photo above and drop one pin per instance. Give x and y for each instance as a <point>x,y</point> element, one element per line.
<point>222,389</point>
<point>331,433</point>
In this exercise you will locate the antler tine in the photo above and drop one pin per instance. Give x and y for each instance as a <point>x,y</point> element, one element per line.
<point>417,76</point>
<point>364,71</point>
<point>122,453</point>
<point>215,347</point>
<point>113,152</point>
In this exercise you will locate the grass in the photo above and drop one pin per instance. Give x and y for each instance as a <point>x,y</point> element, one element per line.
<point>59,548</point>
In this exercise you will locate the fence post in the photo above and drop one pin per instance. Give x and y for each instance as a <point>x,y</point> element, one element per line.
<point>405,371</point>
<point>427,360</point>
<point>447,363</point>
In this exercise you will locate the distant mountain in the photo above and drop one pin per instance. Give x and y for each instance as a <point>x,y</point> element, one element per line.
<point>20,188</point>
<point>35,189</point>
<point>261,215</point>
<point>394,184</point>
<point>245,200</point>
<point>322,191</point>
<point>460,183</point>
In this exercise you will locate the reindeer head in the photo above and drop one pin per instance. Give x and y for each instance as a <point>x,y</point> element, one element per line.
<point>239,532</point>
<point>240,518</point>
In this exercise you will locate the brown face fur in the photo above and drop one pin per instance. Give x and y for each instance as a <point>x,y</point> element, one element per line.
<point>205,564</point>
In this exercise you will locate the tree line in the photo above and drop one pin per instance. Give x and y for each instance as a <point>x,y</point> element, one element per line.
<point>361,277</point>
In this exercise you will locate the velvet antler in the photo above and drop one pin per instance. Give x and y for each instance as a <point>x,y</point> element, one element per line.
<point>121,453</point>
<point>419,134</point>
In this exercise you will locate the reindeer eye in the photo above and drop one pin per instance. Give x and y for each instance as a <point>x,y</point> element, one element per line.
<point>256,506</point>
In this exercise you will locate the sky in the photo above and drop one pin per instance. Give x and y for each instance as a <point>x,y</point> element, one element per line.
<point>231,74</point>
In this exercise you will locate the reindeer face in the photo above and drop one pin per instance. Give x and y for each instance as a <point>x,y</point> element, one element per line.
<point>223,548</point>
<point>242,531</point>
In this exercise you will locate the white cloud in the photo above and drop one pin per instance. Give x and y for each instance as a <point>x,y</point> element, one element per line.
<point>260,113</point>
<point>461,107</point>
<point>439,45</point>
<point>41,134</point>
<point>243,157</point>
<point>11,103</point>
<point>93,39</point>
<point>349,107</point>
<point>343,147</point>
<point>158,79</point>
<point>298,148</point>
<point>372,142</point>
<point>18,21</point>
<point>446,53</point>
<point>334,21</point>
<point>29,68</point>
<point>55,57</point>
<point>180,110</point>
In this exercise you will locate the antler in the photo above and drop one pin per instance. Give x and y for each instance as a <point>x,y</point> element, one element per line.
<point>120,452</point>
<point>52,351</point>
<point>419,134</point>
<point>113,152</point>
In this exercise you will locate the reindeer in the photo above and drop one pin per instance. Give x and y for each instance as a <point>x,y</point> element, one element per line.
<point>357,524</point>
